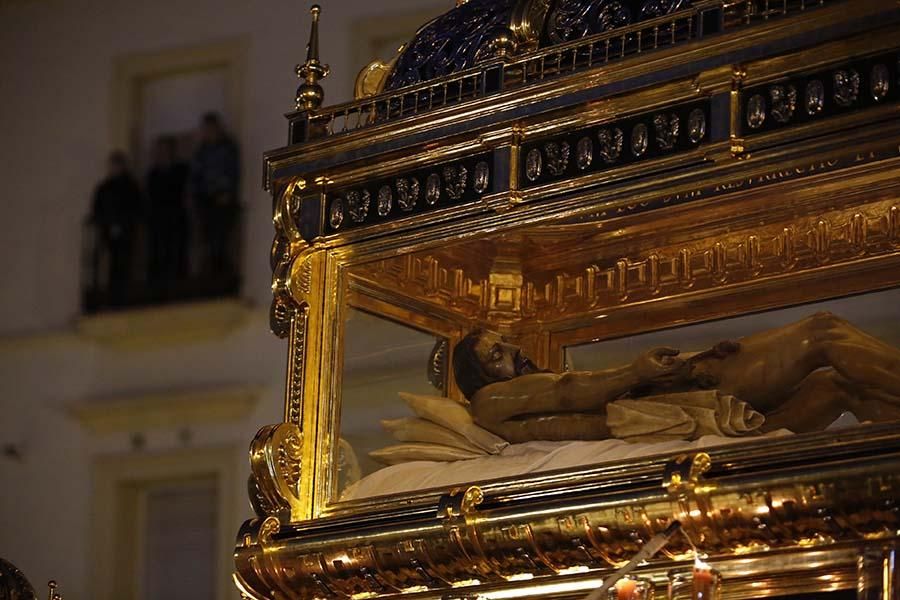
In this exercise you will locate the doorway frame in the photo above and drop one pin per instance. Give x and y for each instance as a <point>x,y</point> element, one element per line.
<point>116,513</point>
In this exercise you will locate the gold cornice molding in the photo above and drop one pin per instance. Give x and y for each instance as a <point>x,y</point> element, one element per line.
<point>147,328</point>
<point>161,410</point>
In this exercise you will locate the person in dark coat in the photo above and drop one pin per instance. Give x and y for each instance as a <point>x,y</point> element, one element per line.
<point>116,215</point>
<point>167,183</point>
<point>215,177</point>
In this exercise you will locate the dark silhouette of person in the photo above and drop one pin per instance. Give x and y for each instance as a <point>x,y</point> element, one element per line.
<point>116,215</point>
<point>167,183</point>
<point>215,176</point>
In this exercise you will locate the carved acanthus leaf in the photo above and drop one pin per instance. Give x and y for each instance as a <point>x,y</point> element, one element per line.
<point>276,467</point>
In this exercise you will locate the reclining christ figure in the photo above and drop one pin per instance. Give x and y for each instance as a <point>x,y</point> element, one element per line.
<point>801,377</point>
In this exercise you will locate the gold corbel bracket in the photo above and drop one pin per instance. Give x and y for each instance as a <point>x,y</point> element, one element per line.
<point>682,475</point>
<point>288,250</point>
<point>460,503</point>
<point>252,575</point>
<point>683,480</point>
<point>458,511</point>
<point>275,467</point>
<point>294,260</point>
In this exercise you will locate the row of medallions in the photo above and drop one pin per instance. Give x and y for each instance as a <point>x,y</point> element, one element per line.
<point>650,135</point>
<point>405,194</point>
<point>856,85</point>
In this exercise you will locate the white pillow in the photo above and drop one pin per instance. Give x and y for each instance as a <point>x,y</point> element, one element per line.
<point>452,415</point>
<point>419,430</point>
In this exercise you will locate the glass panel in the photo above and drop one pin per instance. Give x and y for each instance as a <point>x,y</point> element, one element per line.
<point>550,299</point>
<point>381,359</point>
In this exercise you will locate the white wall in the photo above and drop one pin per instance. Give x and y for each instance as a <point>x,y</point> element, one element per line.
<point>56,74</point>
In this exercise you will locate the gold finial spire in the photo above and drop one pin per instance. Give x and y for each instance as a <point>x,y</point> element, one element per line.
<point>52,594</point>
<point>310,94</point>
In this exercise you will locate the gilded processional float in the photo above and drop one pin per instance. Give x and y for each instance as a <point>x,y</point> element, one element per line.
<point>591,297</point>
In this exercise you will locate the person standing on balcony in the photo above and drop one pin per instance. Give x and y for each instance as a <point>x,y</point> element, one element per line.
<point>167,183</point>
<point>116,215</point>
<point>215,181</point>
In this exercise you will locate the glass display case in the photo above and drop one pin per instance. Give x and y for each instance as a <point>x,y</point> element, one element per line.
<point>584,280</point>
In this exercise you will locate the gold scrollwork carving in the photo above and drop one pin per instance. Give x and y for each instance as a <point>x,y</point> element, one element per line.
<point>527,23</point>
<point>275,466</point>
<point>269,527</point>
<point>292,284</point>
<point>682,479</point>
<point>286,245</point>
<point>683,474</point>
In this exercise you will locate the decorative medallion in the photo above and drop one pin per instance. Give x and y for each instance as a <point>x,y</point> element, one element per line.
<point>648,135</point>
<point>457,40</point>
<point>846,87</point>
<point>584,153</point>
<point>784,102</point>
<point>407,193</point>
<point>533,164</point>
<point>575,19</point>
<point>557,157</point>
<point>857,85</point>
<point>482,177</point>
<point>879,82</point>
<point>455,177</point>
<point>667,128</point>
<point>815,97</point>
<point>358,205</point>
<point>433,189</point>
<point>336,213</point>
<point>696,125</point>
<point>640,139</point>
<point>385,200</point>
<point>611,142</point>
<point>756,111</point>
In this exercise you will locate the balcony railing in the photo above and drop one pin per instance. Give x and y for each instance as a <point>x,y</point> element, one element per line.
<point>118,277</point>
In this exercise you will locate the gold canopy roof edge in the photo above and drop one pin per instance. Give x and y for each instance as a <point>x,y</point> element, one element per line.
<point>313,150</point>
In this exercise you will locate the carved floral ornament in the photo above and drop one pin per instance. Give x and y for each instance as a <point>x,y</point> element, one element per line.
<point>479,30</point>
